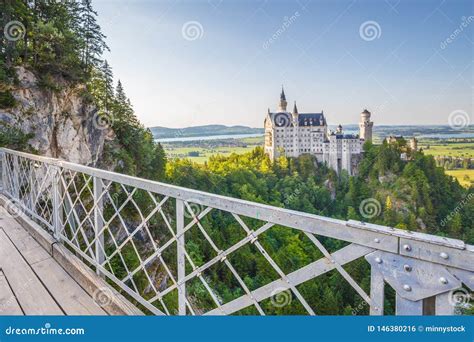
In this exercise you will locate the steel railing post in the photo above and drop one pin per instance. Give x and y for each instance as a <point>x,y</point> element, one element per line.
<point>16,181</point>
<point>98,222</point>
<point>56,202</point>
<point>181,259</point>
<point>4,171</point>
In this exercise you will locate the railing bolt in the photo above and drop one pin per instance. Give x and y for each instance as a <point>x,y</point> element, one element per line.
<point>407,287</point>
<point>444,255</point>
<point>378,260</point>
<point>377,240</point>
<point>407,268</point>
<point>407,248</point>
<point>443,280</point>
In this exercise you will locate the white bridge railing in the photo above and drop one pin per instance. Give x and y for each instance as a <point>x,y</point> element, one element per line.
<point>174,250</point>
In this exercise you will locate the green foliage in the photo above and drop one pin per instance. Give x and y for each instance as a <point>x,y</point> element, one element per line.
<point>61,38</point>
<point>7,100</point>
<point>14,138</point>
<point>413,194</point>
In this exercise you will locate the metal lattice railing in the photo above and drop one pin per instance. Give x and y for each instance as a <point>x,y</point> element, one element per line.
<point>174,250</point>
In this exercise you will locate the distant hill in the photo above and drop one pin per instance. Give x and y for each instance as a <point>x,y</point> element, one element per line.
<point>379,130</point>
<point>197,131</point>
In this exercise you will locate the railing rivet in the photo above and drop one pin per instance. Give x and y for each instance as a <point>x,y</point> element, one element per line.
<point>407,248</point>
<point>443,280</point>
<point>407,287</point>
<point>444,255</point>
<point>378,260</point>
<point>407,268</point>
<point>376,240</point>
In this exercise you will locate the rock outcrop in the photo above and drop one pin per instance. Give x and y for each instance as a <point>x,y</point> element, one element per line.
<point>63,121</point>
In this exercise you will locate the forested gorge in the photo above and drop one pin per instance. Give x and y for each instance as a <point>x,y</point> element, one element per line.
<point>62,40</point>
<point>62,43</point>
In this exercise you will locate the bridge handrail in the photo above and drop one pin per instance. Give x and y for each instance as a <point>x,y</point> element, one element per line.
<point>21,172</point>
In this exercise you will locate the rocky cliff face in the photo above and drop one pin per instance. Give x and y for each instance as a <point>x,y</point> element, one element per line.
<point>64,122</point>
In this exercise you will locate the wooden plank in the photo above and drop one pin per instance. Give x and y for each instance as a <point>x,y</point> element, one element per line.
<point>8,303</point>
<point>30,293</point>
<point>31,250</point>
<point>91,283</point>
<point>70,296</point>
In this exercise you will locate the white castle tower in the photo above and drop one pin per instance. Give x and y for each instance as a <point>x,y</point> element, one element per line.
<point>365,126</point>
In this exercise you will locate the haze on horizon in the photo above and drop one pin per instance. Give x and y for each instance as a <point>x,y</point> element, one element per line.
<point>223,62</point>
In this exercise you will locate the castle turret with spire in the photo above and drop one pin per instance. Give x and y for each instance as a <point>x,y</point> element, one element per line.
<point>293,134</point>
<point>295,113</point>
<point>282,105</point>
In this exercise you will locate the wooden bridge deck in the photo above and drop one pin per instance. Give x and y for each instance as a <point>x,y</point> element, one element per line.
<point>32,282</point>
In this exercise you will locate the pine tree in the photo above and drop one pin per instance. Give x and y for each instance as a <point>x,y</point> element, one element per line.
<point>93,38</point>
<point>108,85</point>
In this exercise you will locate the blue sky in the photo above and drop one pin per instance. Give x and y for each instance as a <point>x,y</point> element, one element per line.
<point>232,70</point>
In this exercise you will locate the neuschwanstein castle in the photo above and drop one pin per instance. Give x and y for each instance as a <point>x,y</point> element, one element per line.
<point>294,134</point>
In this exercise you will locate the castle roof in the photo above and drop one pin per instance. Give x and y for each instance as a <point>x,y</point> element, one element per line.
<point>344,136</point>
<point>283,119</point>
<point>311,119</point>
